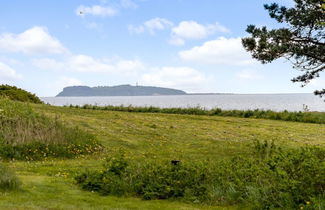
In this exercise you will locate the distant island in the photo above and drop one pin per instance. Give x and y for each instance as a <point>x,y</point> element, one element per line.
<point>120,90</point>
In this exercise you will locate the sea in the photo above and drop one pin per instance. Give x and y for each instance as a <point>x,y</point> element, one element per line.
<point>275,102</point>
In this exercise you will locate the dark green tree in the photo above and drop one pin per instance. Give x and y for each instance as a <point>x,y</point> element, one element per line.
<point>301,39</point>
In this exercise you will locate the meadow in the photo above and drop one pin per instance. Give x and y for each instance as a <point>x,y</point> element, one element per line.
<point>150,140</point>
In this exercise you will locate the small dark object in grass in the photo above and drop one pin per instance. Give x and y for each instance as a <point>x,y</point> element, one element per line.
<point>175,162</point>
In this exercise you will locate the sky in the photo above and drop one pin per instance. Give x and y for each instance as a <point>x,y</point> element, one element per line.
<point>190,45</point>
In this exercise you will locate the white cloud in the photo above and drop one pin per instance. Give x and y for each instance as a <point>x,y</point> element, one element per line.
<point>194,30</point>
<point>128,4</point>
<point>176,41</point>
<point>187,30</point>
<point>85,63</point>
<point>35,40</point>
<point>249,74</point>
<point>220,51</point>
<point>152,25</point>
<point>317,83</point>
<point>136,29</point>
<point>7,73</point>
<point>157,24</point>
<point>49,64</point>
<point>96,10</point>
<point>185,78</point>
<point>61,83</point>
<point>10,61</point>
<point>67,81</point>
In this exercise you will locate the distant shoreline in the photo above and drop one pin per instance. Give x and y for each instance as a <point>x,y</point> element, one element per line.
<point>187,94</point>
<point>226,101</point>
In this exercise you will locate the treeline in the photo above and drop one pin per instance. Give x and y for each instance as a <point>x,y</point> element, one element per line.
<point>306,117</point>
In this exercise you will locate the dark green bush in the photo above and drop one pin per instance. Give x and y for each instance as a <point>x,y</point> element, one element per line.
<point>17,94</point>
<point>270,178</point>
<point>8,179</point>
<point>276,179</point>
<point>150,181</point>
<point>27,135</point>
<point>306,117</point>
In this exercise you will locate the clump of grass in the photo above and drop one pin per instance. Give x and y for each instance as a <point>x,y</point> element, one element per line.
<point>8,179</point>
<point>27,135</point>
<point>270,178</point>
<point>17,94</point>
<point>300,116</point>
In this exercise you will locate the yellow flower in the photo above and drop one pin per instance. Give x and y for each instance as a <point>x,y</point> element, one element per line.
<point>307,202</point>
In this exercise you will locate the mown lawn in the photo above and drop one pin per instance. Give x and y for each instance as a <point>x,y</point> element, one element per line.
<point>49,184</point>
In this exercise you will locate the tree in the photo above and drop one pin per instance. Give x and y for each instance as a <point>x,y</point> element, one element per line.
<point>301,40</point>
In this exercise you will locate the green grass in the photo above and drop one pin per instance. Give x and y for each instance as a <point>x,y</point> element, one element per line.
<point>142,136</point>
<point>8,179</point>
<point>27,135</point>
<point>48,192</point>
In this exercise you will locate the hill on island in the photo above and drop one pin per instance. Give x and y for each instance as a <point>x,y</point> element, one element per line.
<point>120,90</point>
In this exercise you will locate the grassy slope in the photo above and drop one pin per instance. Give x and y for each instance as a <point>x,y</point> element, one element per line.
<point>18,94</point>
<point>49,184</point>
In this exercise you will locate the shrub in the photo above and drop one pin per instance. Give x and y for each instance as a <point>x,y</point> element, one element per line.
<point>27,135</point>
<point>271,177</point>
<point>150,181</point>
<point>8,179</point>
<point>17,94</point>
<point>282,179</point>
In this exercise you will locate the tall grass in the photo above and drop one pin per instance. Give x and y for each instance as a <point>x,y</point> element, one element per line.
<point>25,134</point>
<point>271,177</point>
<point>306,117</point>
<point>8,179</point>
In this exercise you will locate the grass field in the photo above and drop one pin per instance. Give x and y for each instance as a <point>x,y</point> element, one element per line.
<point>49,184</point>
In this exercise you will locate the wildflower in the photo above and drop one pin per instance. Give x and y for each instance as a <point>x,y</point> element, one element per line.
<point>307,202</point>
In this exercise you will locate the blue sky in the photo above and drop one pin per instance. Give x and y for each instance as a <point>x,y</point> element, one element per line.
<point>186,44</point>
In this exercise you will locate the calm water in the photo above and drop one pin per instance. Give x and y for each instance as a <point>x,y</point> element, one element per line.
<point>276,102</point>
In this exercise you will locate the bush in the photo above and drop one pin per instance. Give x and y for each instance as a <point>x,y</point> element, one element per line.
<point>278,178</point>
<point>150,181</point>
<point>27,135</point>
<point>270,178</point>
<point>17,94</point>
<point>8,180</point>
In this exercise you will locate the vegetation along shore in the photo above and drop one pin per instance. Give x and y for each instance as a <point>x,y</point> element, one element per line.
<point>300,116</point>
